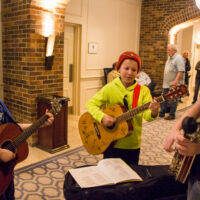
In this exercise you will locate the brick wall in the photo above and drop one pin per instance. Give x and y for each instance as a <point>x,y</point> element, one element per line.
<point>157,18</point>
<point>23,49</point>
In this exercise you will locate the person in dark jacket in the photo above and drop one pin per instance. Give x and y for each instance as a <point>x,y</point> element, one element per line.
<point>187,66</point>
<point>197,82</point>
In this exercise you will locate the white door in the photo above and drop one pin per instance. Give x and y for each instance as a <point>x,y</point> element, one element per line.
<point>68,64</point>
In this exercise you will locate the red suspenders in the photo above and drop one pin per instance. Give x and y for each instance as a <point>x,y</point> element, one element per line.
<point>136,95</point>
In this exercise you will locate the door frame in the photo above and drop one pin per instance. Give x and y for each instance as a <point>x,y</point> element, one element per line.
<point>77,66</point>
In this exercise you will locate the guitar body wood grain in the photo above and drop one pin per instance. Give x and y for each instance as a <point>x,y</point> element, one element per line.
<point>7,133</point>
<point>95,136</point>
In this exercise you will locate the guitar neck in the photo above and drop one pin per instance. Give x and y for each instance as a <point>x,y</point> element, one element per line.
<point>129,114</point>
<point>29,131</point>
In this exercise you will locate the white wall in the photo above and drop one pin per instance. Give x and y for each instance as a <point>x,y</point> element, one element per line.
<point>113,25</point>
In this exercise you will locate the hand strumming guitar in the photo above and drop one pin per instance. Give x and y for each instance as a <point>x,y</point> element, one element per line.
<point>186,147</point>
<point>108,120</point>
<point>6,155</point>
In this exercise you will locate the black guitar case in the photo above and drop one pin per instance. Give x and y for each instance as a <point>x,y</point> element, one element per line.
<point>157,184</point>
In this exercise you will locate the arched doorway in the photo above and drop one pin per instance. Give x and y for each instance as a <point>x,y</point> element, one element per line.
<point>187,37</point>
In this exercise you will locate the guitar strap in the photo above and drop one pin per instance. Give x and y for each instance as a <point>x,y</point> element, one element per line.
<point>136,96</point>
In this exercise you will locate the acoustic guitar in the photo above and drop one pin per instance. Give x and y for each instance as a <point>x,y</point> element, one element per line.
<point>13,139</point>
<point>96,137</point>
<point>181,165</point>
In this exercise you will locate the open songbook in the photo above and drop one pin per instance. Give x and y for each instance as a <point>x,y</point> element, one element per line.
<point>108,172</point>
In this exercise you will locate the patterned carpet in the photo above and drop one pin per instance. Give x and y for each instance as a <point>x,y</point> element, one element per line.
<point>44,180</point>
<point>153,137</point>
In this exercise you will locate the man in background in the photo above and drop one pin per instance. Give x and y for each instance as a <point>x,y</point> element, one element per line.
<point>173,75</point>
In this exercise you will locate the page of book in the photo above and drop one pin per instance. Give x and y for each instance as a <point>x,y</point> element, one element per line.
<point>108,171</point>
<point>117,170</point>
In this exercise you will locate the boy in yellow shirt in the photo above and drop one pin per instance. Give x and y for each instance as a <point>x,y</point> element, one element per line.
<point>121,91</point>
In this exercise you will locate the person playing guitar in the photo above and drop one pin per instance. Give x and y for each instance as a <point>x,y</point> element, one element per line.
<point>124,90</point>
<point>6,155</point>
<point>187,148</point>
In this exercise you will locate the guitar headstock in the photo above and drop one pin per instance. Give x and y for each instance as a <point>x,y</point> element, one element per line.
<point>56,105</point>
<point>175,92</point>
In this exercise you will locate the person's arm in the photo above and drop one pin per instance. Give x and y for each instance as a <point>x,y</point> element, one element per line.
<point>183,145</point>
<point>151,113</point>
<point>178,76</point>
<point>180,67</point>
<point>95,104</point>
<point>154,107</point>
<point>7,155</point>
<point>100,100</point>
<point>48,122</point>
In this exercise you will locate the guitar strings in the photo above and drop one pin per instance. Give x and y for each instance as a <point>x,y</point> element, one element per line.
<point>25,134</point>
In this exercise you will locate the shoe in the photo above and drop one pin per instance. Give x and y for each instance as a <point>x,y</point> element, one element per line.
<point>169,117</point>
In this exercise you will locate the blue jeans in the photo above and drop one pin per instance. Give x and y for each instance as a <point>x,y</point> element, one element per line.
<point>172,105</point>
<point>196,92</point>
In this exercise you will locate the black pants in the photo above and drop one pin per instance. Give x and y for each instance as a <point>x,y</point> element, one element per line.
<point>130,156</point>
<point>196,92</point>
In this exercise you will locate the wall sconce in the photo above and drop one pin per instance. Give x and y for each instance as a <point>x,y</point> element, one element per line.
<point>49,44</point>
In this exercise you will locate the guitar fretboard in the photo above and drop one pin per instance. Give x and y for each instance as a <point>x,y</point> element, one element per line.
<point>129,114</point>
<point>30,130</point>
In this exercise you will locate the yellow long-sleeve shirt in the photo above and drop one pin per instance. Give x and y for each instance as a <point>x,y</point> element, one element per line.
<point>114,93</point>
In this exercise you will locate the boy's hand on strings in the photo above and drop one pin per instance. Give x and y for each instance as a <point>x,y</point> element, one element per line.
<point>108,120</point>
<point>154,107</point>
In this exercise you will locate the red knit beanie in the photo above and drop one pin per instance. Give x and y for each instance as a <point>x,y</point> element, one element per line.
<point>128,55</point>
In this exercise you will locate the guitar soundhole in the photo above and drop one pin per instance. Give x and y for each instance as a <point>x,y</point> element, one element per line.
<point>8,145</point>
<point>111,127</point>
